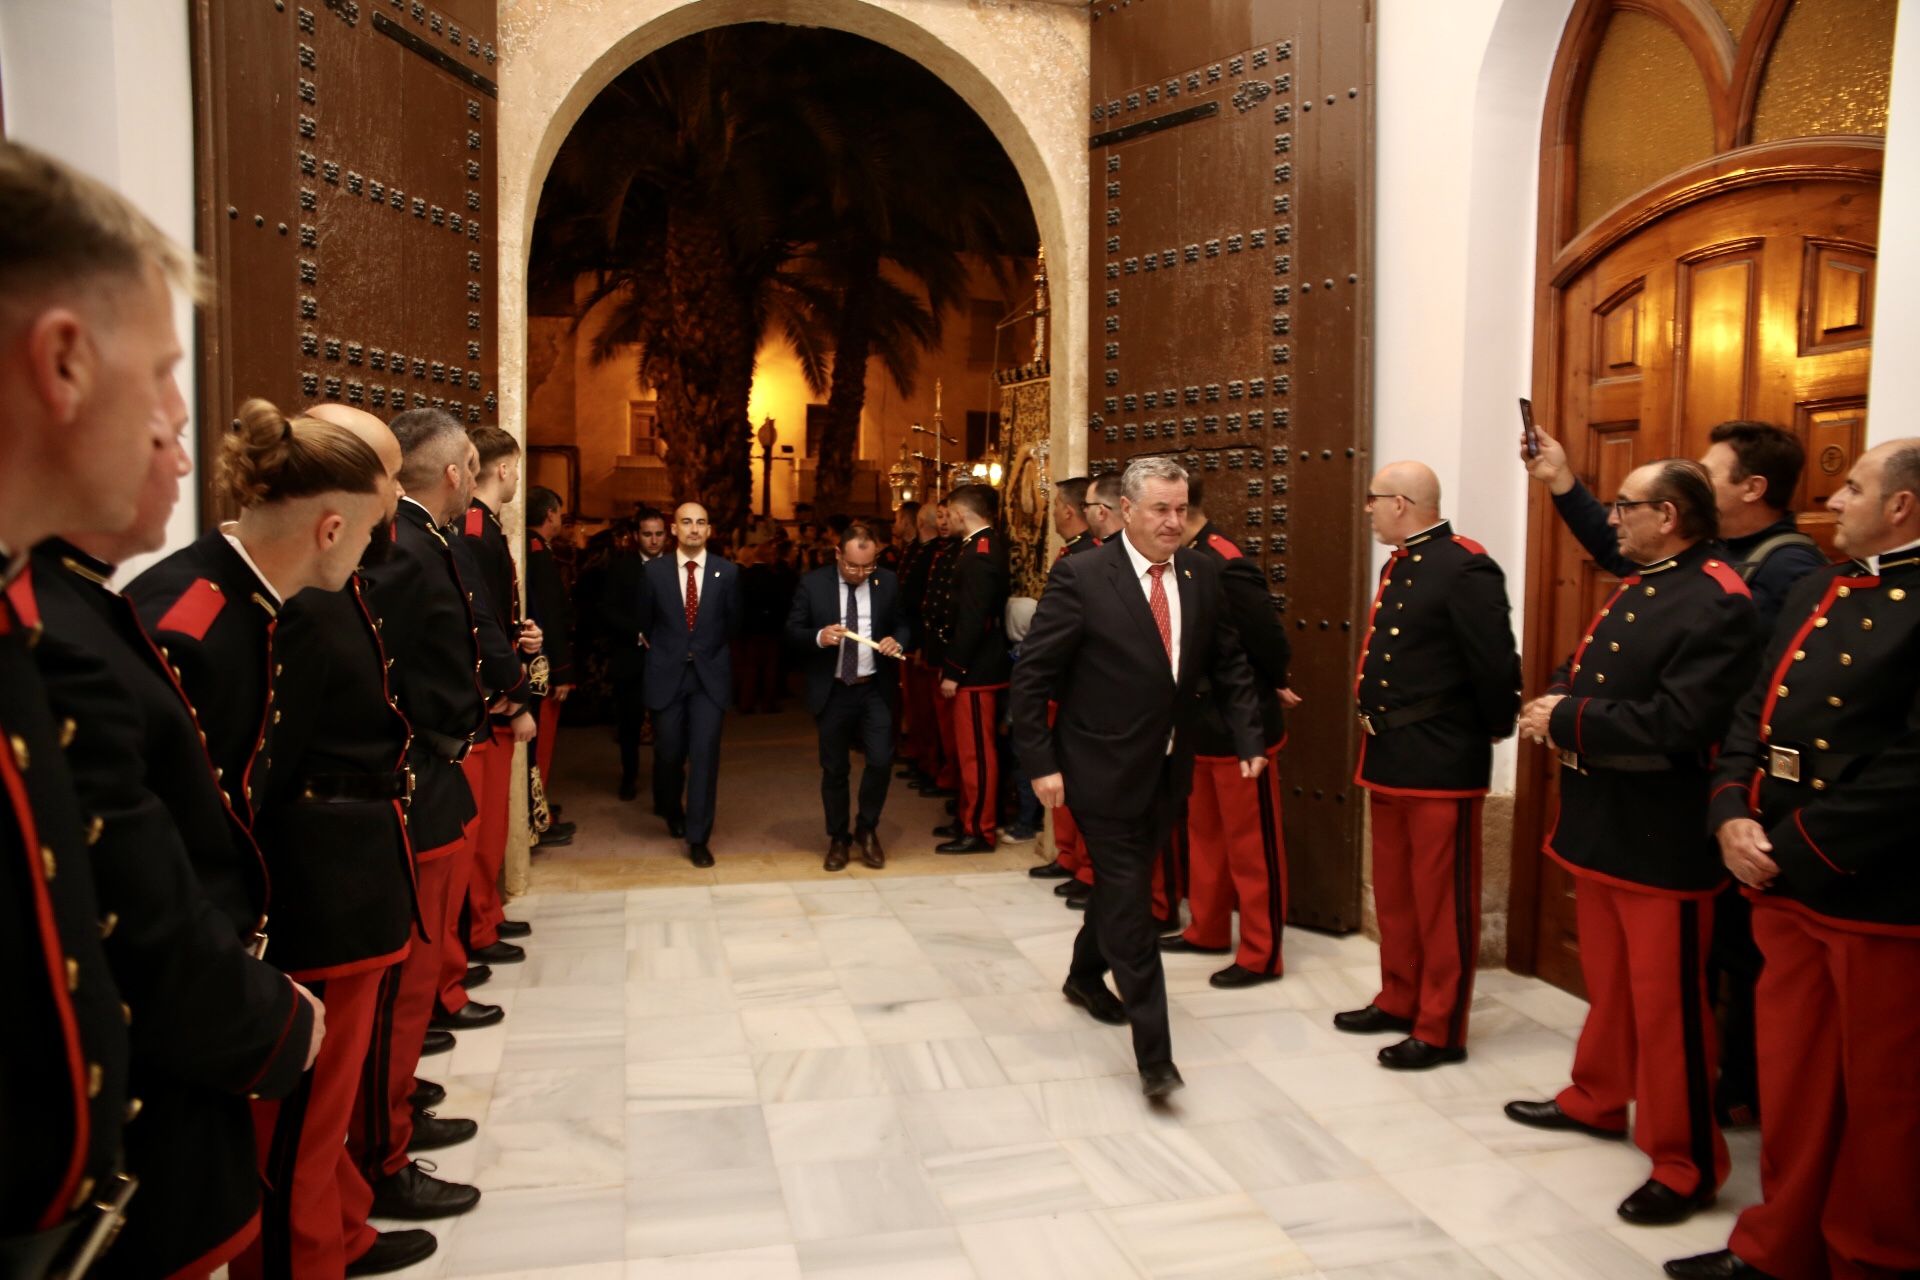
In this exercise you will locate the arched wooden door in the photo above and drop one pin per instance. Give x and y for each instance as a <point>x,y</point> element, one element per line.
<point>1738,286</point>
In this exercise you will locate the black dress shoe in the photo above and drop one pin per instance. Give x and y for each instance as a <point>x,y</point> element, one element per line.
<point>477,975</point>
<point>937,792</point>
<point>436,1042</point>
<point>426,1094</point>
<point>498,953</point>
<point>415,1195</point>
<point>1179,944</point>
<point>548,840</point>
<point>1235,976</point>
<point>872,855</point>
<point>1371,1019</point>
<point>394,1251</point>
<point>966,844</point>
<point>1072,889</point>
<point>470,1016</point>
<point>1096,1000</point>
<point>1721,1264</point>
<point>839,850</point>
<point>677,827</point>
<point>1049,871</point>
<point>699,855</point>
<point>1656,1204</point>
<point>949,831</point>
<point>431,1132</point>
<point>1417,1055</point>
<point>1548,1115</point>
<point>629,789</point>
<point>558,830</point>
<point>1165,927</point>
<point>1078,902</point>
<point>514,929</point>
<point>1158,1079</point>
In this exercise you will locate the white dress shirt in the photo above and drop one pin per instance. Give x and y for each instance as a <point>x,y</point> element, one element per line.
<point>1140,565</point>
<point>864,664</point>
<point>234,542</point>
<point>1893,553</point>
<point>680,562</point>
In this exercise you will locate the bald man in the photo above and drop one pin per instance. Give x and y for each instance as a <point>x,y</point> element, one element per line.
<point>1438,685</point>
<point>689,612</point>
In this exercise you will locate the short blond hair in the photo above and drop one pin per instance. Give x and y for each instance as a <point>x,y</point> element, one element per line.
<point>61,228</point>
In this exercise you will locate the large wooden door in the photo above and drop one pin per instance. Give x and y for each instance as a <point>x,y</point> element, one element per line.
<point>1754,304</point>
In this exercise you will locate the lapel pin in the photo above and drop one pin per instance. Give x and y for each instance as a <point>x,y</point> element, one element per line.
<point>1187,572</point>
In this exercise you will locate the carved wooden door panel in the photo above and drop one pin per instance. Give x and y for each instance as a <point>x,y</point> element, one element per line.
<point>1755,304</point>
<point>1231,170</point>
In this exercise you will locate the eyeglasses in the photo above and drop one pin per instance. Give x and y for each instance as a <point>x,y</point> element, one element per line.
<point>847,566</point>
<point>1621,505</point>
<point>1105,506</point>
<point>1375,497</point>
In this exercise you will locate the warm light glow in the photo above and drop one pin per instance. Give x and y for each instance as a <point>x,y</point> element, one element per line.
<point>994,473</point>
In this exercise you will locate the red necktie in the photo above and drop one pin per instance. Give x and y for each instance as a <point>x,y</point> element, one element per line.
<point>1157,601</point>
<point>693,595</point>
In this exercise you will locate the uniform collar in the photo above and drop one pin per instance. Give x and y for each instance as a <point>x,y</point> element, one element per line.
<point>1897,555</point>
<point>252,568</point>
<point>1690,555</point>
<point>974,533</point>
<point>76,561</point>
<point>1441,530</point>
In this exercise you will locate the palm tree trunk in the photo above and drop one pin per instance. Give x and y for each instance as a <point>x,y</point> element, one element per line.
<point>847,394</point>
<point>706,370</point>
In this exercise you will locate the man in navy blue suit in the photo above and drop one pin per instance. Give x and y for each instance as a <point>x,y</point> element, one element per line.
<point>689,610</point>
<point>850,687</point>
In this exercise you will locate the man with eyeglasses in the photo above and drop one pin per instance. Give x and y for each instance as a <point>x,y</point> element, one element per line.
<point>1102,508</point>
<point>1438,684</point>
<point>1634,717</point>
<point>846,616</point>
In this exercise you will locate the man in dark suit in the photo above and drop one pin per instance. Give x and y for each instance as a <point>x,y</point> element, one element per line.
<point>689,610</point>
<point>850,688</point>
<point>627,665</point>
<point>1121,749</point>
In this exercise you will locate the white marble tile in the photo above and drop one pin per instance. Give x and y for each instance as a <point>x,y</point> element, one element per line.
<point>1352,1222</point>
<point>1549,1006</point>
<point>1003,976</point>
<point>868,984</point>
<point>698,1035</point>
<point>1583,1255</point>
<point>1278,1033</point>
<point>574,967</point>
<point>1402,1135</point>
<point>1229,1091</point>
<point>691,901</point>
<point>1278,1151</point>
<point>852,942</point>
<point>1325,1082</point>
<point>771,957</point>
<point>1443,1264</point>
<point>801,1027</point>
<point>545,1053</point>
<point>1044,1010</point>
<point>1147,1166</point>
<point>932,1065</point>
<point>1225,1237</point>
<point>808,1075</point>
<point>1009,1182</point>
<point>1067,1246</point>
<point>585,1271</point>
<point>661,1143</point>
<point>1035,1056</point>
<point>1486,1203</point>
<point>678,997</point>
<point>932,1254</point>
<point>919,894</point>
<point>859,1197</point>
<point>969,1120</point>
<point>1484,1119</point>
<point>909,1021</point>
<point>796,986</point>
<point>770,1262</point>
<point>582,1152</point>
<point>687,1083</point>
<point>1592,1175</point>
<point>475,1053</point>
<point>538,1231</point>
<point>835,1130</point>
<point>691,1212</point>
<point>854,900</point>
<point>568,937</point>
<point>561,1093</point>
<point>1105,1104</point>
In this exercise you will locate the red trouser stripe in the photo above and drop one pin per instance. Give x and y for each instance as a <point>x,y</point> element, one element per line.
<point>948,770</point>
<point>974,736</point>
<point>1237,858</point>
<point>1646,1038</point>
<point>1426,891</point>
<point>1838,1032</point>
<point>489,770</point>
<point>549,730</point>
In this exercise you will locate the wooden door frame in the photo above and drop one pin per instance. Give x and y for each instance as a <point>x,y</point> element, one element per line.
<point>1562,255</point>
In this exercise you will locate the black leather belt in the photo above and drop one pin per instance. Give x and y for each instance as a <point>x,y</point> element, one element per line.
<point>1616,764</point>
<point>450,749</point>
<point>353,788</point>
<point>1374,723</point>
<point>854,681</point>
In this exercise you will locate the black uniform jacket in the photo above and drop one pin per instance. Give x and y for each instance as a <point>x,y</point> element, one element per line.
<point>1093,648</point>
<point>1650,691</point>
<point>549,606</point>
<point>1079,542</point>
<point>935,622</point>
<point>333,826</point>
<point>502,672</point>
<point>976,654</point>
<point>63,1057</point>
<point>914,567</point>
<point>209,1023</point>
<point>1439,659</point>
<point>426,620</point>
<point>620,614</point>
<point>1261,634</point>
<point>1840,690</point>
<point>214,619</point>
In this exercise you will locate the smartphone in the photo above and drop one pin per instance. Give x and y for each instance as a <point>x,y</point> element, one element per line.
<point>1527,429</point>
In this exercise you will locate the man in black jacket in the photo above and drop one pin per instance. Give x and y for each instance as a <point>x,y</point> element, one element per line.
<point>627,660</point>
<point>551,609</point>
<point>1130,657</point>
<point>974,665</point>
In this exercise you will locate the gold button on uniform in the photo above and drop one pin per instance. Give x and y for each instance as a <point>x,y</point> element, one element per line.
<point>1629,616</point>
<point>1866,624</point>
<point>96,1079</point>
<point>1834,701</point>
<point>1601,678</point>
<point>1819,622</point>
<point>1844,592</point>
<point>67,729</point>
<point>108,923</point>
<point>95,825</point>
<point>73,974</point>
<point>1649,590</point>
<point>1819,785</point>
<point>1781,691</point>
<point>1898,593</point>
<point>21,756</point>
<point>1821,743</point>
<point>134,1106</point>
<point>1799,655</point>
<point>1846,659</point>
<point>1615,646</point>
<point>46,861</point>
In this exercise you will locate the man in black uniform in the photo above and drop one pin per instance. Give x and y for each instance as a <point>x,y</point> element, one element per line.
<point>1070,522</point>
<point>550,608</point>
<point>921,749</point>
<point>87,353</point>
<point>936,625</point>
<point>1635,715</point>
<point>975,665</point>
<point>628,666</point>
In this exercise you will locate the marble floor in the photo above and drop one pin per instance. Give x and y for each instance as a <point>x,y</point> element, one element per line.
<point>878,1078</point>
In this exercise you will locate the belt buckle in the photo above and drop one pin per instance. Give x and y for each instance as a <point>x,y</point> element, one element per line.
<point>408,797</point>
<point>1783,763</point>
<point>111,1208</point>
<point>1366,725</point>
<point>1569,759</point>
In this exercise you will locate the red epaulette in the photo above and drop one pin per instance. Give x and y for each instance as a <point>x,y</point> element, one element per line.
<point>25,605</point>
<point>536,543</point>
<point>1729,579</point>
<point>476,523</point>
<point>980,545</point>
<point>1470,545</point>
<point>1223,546</point>
<point>194,611</point>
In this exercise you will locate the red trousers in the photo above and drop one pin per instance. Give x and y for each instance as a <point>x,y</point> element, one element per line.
<point>976,743</point>
<point>1426,891</point>
<point>1839,1033</point>
<point>1070,847</point>
<point>1237,856</point>
<point>946,772</point>
<point>314,1219</point>
<point>549,731</point>
<point>1648,1038</point>
<point>489,770</point>
<point>382,1117</point>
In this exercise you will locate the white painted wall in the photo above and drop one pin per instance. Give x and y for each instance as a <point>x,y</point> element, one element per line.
<point>107,85</point>
<point>1893,396</point>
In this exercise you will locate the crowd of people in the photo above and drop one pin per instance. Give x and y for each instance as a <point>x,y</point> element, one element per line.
<point>256,803</point>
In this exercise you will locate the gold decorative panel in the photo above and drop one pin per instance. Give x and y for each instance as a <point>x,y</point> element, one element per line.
<point>1646,114</point>
<point>1836,297</point>
<point>1718,303</point>
<point>1735,13</point>
<point>1028,496</point>
<point>1830,71</point>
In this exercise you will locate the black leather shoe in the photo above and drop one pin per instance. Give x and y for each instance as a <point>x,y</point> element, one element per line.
<point>1235,976</point>
<point>470,1016</point>
<point>1096,1000</point>
<point>677,827</point>
<point>1079,901</point>
<point>1179,944</point>
<point>394,1251</point>
<point>699,855</point>
<point>548,840</point>
<point>1417,1055</point>
<point>839,849</point>
<point>498,953</point>
<point>1165,927</point>
<point>1656,1204</point>
<point>415,1195</point>
<point>514,929</point>
<point>873,855</point>
<point>436,1042</point>
<point>966,844</point>
<point>1548,1115</point>
<point>1072,889</point>
<point>558,830</point>
<point>477,975</point>
<point>1718,1265</point>
<point>1158,1079</point>
<point>1371,1019</point>
<point>936,792</point>
<point>426,1094</point>
<point>948,831</point>
<point>1049,871</point>
<point>431,1132</point>
<point>629,789</point>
